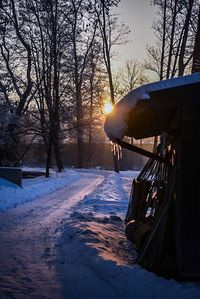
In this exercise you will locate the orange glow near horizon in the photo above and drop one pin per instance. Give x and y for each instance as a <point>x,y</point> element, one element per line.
<point>108,107</point>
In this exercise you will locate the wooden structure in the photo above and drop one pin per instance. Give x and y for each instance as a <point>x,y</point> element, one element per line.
<point>163,213</point>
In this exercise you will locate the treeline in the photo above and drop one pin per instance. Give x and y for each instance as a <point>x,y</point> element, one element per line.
<point>55,59</point>
<point>177,30</point>
<point>55,68</point>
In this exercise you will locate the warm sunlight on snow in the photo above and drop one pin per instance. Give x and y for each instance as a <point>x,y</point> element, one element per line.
<point>108,107</point>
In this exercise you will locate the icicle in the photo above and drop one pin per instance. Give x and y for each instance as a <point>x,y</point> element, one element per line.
<point>112,147</point>
<point>119,150</point>
<point>116,149</point>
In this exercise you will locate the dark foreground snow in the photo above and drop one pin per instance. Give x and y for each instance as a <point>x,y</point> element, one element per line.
<point>70,243</point>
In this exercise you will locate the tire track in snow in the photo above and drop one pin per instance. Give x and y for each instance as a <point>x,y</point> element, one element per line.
<point>28,238</point>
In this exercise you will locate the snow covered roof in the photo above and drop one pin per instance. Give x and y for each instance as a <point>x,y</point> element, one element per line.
<point>150,97</point>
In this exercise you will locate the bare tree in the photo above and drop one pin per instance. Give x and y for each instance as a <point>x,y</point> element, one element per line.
<point>81,38</point>
<point>111,34</point>
<point>196,53</point>
<point>15,50</point>
<point>174,30</point>
<point>51,61</point>
<point>47,40</point>
<point>131,76</point>
<point>181,63</point>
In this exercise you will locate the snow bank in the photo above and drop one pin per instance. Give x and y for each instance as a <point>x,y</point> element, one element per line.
<point>101,259</point>
<point>116,122</point>
<point>100,218</point>
<point>11,195</point>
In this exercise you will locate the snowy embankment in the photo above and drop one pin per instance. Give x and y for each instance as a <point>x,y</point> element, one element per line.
<point>85,254</point>
<point>101,258</point>
<point>11,195</point>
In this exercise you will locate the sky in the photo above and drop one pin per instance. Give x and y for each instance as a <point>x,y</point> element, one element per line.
<point>139,16</point>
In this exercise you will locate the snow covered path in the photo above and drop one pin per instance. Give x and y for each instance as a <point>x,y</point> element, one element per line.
<point>70,244</point>
<point>28,236</point>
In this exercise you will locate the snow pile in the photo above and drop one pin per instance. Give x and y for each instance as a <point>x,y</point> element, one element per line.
<point>116,122</point>
<point>99,218</point>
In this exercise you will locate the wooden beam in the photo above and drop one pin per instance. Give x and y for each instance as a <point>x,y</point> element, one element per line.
<point>140,151</point>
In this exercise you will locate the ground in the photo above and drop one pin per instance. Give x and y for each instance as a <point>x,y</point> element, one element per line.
<point>63,237</point>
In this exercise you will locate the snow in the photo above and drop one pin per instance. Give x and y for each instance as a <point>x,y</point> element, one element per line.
<point>116,122</point>
<point>73,223</point>
<point>11,195</point>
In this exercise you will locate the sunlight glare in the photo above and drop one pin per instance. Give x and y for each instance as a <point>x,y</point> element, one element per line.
<point>108,107</point>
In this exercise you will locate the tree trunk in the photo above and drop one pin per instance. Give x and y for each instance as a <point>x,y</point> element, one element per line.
<point>184,41</point>
<point>106,50</point>
<point>171,39</point>
<point>80,146</point>
<point>163,42</point>
<point>49,158</point>
<point>196,53</point>
<point>79,127</point>
<point>57,154</point>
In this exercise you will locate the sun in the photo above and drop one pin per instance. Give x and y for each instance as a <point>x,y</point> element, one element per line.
<point>108,107</point>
